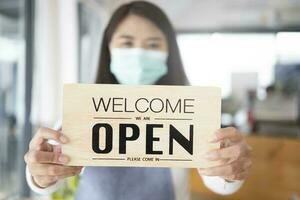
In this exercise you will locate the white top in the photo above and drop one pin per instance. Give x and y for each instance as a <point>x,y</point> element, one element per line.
<point>180,181</point>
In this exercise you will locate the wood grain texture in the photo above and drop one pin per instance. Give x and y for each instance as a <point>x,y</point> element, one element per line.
<point>275,174</point>
<point>80,115</point>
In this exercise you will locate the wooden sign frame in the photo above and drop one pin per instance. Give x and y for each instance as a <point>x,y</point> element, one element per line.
<point>145,126</point>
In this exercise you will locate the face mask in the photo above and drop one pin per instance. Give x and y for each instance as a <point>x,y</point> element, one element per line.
<point>138,66</point>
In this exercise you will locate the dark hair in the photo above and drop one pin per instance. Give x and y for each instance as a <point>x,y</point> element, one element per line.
<point>175,75</point>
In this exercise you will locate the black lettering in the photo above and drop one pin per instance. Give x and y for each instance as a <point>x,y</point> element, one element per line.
<point>187,105</point>
<point>126,106</point>
<point>168,104</point>
<point>96,138</point>
<point>184,142</point>
<point>123,136</point>
<point>150,139</point>
<point>99,103</point>
<point>151,105</point>
<point>116,104</point>
<point>136,105</point>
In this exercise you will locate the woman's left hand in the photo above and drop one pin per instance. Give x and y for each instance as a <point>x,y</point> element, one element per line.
<point>234,154</point>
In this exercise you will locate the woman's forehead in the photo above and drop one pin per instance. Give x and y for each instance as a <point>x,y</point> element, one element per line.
<point>137,27</point>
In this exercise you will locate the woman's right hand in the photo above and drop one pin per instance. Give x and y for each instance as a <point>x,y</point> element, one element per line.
<point>45,161</point>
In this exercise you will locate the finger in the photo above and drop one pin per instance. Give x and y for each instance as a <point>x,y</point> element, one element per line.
<point>41,145</point>
<point>225,161</point>
<point>46,157</point>
<point>235,167</point>
<point>226,133</point>
<point>51,170</point>
<point>232,152</point>
<point>46,134</point>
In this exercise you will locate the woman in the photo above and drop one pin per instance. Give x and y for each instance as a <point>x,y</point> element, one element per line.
<point>139,47</point>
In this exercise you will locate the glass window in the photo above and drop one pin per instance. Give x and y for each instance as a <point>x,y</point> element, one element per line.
<point>214,59</point>
<point>11,94</point>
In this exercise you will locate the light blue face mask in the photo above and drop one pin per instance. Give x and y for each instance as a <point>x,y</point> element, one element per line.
<point>138,66</point>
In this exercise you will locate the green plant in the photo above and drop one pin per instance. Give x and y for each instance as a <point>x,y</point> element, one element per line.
<point>68,191</point>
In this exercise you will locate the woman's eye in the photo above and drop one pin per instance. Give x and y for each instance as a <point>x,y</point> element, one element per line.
<point>153,46</point>
<point>127,44</point>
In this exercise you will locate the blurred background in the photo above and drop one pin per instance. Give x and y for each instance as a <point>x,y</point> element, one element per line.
<point>249,48</point>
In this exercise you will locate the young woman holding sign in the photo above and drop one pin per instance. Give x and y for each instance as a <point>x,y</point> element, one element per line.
<point>139,48</point>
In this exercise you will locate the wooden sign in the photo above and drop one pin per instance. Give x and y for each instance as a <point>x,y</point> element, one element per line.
<point>148,126</point>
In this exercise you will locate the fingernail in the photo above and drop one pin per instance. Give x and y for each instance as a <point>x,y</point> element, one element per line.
<point>63,159</point>
<point>63,139</point>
